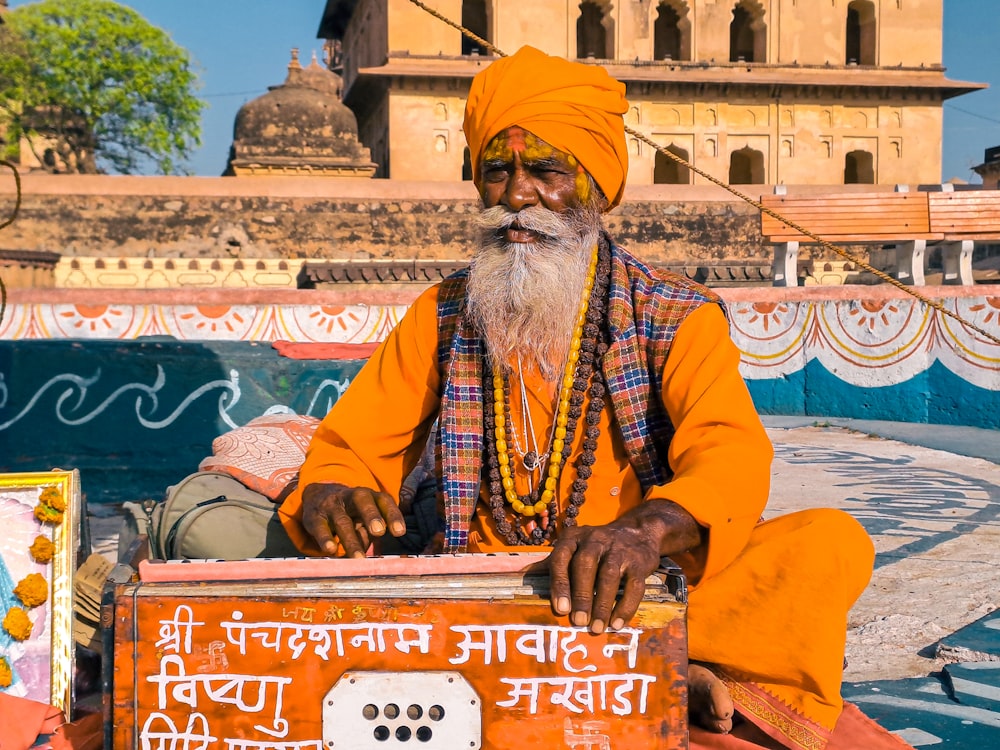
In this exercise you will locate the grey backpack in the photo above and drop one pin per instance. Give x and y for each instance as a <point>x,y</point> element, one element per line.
<point>210,515</point>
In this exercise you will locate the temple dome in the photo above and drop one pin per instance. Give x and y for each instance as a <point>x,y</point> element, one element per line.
<point>300,127</point>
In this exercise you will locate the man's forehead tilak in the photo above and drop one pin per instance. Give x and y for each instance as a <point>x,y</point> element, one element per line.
<point>533,149</point>
<point>528,145</point>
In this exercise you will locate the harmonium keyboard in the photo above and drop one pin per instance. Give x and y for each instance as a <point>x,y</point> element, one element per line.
<point>414,653</point>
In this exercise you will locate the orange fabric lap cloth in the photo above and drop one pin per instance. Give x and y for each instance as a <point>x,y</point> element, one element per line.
<point>22,721</point>
<point>774,623</point>
<point>854,731</point>
<point>86,733</point>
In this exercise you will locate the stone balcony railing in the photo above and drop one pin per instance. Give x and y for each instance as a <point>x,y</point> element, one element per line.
<point>170,273</point>
<point>27,268</point>
<point>179,273</point>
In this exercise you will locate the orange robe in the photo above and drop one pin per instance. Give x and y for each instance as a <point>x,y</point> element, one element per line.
<point>769,604</point>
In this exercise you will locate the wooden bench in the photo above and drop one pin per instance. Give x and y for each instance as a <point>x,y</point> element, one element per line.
<point>901,219</point>
<point>964,218</point>
<point>953,221</point>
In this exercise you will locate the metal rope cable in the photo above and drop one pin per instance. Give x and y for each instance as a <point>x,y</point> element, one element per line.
<point>756,204</point>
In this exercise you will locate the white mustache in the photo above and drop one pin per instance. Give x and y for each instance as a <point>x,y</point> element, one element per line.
<point>536,219</point>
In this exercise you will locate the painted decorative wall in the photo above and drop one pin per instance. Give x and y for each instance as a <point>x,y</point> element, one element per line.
<point>202,322</point>
<point>888,357</point>
<point>132,392</point>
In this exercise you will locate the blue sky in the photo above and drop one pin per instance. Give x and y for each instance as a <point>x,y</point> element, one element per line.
<point>243,46</point>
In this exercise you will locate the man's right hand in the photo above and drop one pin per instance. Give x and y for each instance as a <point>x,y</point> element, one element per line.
<point>348,517</point>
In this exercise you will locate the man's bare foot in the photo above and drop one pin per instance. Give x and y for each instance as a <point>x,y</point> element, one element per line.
<point>709,704</point>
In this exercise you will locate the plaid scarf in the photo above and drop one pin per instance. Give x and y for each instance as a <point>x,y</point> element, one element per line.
<point>645,308</point>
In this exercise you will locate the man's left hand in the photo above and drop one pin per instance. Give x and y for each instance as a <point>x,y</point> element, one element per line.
<point>589,565</point>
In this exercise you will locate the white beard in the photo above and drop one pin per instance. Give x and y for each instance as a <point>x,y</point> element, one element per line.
<point>523,299</point>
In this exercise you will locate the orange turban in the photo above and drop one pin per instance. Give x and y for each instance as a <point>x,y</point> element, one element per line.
<point>574,107</point>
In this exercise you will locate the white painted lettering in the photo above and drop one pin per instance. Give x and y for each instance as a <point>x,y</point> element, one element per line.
<point>629,693</point>
<point>160,728</point>
<point>174,632</point>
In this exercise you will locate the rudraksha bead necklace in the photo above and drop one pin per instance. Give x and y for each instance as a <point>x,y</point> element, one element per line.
<point>582,367</point>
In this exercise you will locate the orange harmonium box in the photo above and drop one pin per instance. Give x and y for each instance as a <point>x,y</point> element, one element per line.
<point>445,652</point>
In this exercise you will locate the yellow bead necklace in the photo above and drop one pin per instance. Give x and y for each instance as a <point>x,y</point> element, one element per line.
<point>561,419</point>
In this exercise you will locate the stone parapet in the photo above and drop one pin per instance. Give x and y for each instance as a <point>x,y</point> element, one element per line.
<point>323,218</point>
<point>349,223</point>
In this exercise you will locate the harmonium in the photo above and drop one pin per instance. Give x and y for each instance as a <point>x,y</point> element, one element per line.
<point>440,652</point>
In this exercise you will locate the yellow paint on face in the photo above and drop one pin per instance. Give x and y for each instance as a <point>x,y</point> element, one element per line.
<point>518,140</point>
<point>582,185</point>
<point>499,149</point>
<point>532,148</point>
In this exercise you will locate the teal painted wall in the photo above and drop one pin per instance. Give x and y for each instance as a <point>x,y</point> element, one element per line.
<point>136,416</point>
<point>935,396</point>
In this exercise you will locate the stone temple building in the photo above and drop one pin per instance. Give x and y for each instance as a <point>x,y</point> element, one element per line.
<point>751,91</point>
<point>299,128</point>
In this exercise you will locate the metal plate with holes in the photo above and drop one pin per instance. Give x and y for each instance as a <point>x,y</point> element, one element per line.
<point>426,710</point>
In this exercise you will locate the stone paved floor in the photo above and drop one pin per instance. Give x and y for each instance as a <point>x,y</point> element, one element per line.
<point>916,647</point>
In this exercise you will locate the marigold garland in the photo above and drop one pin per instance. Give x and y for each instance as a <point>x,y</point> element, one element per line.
<point>42,549</point>
<point>32,590</point>
<point>16,623</point>
<point>48,514</point>
<point>6,675</point>
<point>52,497</point>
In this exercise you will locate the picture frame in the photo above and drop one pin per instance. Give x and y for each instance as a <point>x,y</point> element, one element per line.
<point>42,664</point>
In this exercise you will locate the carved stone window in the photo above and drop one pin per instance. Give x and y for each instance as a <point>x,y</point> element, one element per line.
<point>672,31</point>
<point>746,167</point>
<point>592,36</point>
<point>666,171</point>
<point>748,33</point>
<point>861,38</point>
<point>474,18</point>
<point>859,168</point>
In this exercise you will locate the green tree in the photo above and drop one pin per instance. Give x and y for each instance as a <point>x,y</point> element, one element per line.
<point>99,86</point>
<point>13,76</point>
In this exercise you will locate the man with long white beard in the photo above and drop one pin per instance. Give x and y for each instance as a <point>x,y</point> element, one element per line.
<point>592,405</point>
